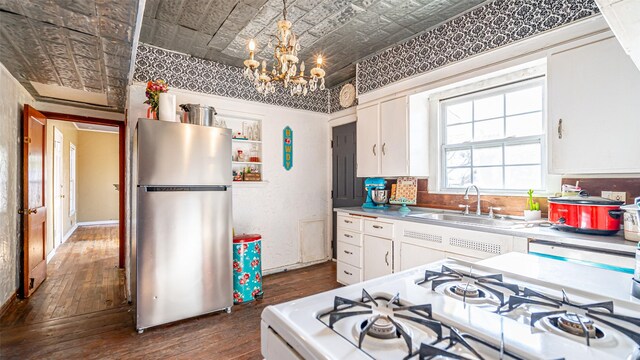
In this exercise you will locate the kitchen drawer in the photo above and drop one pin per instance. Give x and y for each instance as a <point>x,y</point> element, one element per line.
<point>378,228</point>
<point>350,254</point>
<point>349,223</point>
<point>348,274</point>
<point>349,237</point>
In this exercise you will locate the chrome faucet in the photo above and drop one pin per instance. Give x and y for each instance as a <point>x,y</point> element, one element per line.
<point>466,197</point>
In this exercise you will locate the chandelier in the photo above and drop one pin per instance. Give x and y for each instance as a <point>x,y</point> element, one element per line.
<point>285,65</point>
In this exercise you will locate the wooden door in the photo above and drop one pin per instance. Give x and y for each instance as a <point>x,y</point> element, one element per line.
<point>378,257</point>
<point>368,146</point>
<point>58,187</point>
<point>394,152</point>
<point>347,189</point>
<point>34,267</point>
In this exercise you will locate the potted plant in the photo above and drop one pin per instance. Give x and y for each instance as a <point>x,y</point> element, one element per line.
<point>154,89</point>
<point>533,208</point>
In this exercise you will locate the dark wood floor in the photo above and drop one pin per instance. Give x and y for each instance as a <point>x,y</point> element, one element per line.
<point>80,312</point>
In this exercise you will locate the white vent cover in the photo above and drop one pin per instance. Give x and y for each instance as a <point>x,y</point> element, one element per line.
<point>476,245</point>
<point>423,236</point>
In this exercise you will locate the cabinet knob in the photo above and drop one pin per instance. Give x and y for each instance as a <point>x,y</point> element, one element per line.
<point>346,272</point>
<point>348,221</point>
<point>377,227</point>
<point>348,236</point>
<point>348,252</point>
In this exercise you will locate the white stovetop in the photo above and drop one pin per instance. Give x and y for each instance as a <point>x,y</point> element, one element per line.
<point>296,321</point>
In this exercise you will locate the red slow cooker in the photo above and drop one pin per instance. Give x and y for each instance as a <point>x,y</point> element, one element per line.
<point>585,214</point>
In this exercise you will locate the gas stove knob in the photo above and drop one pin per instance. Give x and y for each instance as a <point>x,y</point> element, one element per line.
<point>562,220</point>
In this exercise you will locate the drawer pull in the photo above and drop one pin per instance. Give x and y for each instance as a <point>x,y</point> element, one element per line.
<point>386,258</point>
<point>377,227</point>
<point>348,221</point>
<point>348,273</point>
<point>348,236</point>
<point>348,252</point>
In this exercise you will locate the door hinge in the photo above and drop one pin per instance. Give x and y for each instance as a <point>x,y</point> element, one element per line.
<point>27,140</point>
<point>332,144</point>
<point>31,282</point>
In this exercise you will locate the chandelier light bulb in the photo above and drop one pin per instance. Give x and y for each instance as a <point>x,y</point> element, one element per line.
<point>319,60</point>
<point>252,45</point>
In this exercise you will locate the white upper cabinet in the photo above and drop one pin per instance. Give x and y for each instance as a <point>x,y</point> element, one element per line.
<point>393,137</point>
<point>367,141</point>
<point>593,96</point>
<point>392,140</point>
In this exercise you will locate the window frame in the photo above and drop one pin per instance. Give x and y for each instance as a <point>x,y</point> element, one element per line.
<point>73,180</point>
<point>485,92</point>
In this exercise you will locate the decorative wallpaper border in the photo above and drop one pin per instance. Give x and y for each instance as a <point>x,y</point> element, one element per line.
<point>484,28</point>
<point>190,73</point>
<point>334,96</point>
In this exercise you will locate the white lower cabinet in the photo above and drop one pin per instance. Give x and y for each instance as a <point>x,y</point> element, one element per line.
<point>349,249</point>
<point>348,274</point>
<point>413,255</point>
<point>378,257</point>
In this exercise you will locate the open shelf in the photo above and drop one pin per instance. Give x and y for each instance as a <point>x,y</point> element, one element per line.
<point>247,141</point>
<point>246,163</point>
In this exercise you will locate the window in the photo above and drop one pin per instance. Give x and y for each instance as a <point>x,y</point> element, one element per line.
<point>494,138</point>
<point>72,179</point>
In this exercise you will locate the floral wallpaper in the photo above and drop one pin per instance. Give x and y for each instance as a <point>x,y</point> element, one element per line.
<point>484,28</point>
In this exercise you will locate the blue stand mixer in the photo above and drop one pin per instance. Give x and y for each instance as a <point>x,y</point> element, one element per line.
<point>377,196</point>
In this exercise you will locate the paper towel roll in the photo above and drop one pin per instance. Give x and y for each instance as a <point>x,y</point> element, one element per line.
<point>167,107</point>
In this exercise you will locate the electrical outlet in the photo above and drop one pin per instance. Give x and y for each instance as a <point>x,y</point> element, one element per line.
<point>615,195</point>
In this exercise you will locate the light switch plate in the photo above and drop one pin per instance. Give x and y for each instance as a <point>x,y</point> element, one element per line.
<point>615,195</point>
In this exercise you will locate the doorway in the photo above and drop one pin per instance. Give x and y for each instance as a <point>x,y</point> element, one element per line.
<point>58,194</point>
<point>44,229</point>
<point>347,189</point>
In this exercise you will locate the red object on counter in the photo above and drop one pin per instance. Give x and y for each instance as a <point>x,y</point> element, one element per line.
<point>585,214</point>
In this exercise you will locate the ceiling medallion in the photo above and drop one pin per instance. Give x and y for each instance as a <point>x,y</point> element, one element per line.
<point>284,67</point>
<point>347,95</point>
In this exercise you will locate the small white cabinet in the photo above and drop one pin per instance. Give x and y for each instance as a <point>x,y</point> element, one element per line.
<point>389,137</point>
<point>593,94</point>
<point>378,257</point>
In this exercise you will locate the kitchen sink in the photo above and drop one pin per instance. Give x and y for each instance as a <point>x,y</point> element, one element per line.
<point>470,219</point>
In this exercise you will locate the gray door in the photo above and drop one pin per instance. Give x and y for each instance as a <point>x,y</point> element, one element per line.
<point>184,253</point>
<point>347,189</point>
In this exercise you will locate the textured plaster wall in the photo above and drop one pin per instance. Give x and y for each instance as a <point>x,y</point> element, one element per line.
<point>70,135</point>
<point>275,208</point>
<point>12,98</point>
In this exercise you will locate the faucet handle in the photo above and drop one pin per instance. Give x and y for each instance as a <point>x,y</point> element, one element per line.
<point>466,208</point>
<point>491,209</point>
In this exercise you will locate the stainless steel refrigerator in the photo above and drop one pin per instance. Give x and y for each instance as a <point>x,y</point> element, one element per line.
<point>181,263</point>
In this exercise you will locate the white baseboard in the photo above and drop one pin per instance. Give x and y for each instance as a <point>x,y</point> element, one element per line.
<point>50,254</point>
<point>69,233</point>
<point>292,267</point>
<point>101,222</point>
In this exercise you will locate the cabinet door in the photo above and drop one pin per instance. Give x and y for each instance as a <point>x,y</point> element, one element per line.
<point>368,141</point>
<point>378,257</point>
<point>412,255</point>
<point>593,93</point>
<point>394,159</point>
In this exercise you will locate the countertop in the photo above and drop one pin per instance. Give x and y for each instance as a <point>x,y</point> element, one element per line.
<point>611,284</point>
<point>613,242</point>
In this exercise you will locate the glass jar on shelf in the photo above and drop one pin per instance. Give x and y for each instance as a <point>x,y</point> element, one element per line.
<point>254,154</point>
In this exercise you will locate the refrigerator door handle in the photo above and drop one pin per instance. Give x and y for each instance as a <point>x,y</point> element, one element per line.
<point>156,188</point>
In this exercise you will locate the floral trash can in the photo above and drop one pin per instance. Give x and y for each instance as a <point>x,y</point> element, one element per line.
<point>247,268</point>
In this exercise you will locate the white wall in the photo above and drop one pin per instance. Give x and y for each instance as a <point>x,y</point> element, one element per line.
<point>12,99</point>
<point>273,209</point>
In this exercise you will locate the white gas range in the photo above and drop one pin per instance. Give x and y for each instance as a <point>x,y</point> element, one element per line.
<point>458,310</point>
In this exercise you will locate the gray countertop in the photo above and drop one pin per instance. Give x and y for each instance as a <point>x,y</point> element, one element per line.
<point>613,242</point>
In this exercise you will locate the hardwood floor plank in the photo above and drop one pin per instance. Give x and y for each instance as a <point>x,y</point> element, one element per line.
<point>81,311</point>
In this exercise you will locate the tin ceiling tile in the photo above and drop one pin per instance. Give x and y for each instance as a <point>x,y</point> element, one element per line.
<point>170,10</point>
<point>116,30</point>
<point>115,47</point>
<point>87,50</point>
<point>194,12</point>
<point>84,7</point>
<point>79,22</point>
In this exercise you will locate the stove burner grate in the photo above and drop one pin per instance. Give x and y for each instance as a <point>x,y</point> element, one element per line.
<point>577,324</point>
